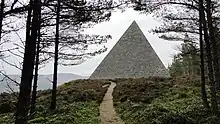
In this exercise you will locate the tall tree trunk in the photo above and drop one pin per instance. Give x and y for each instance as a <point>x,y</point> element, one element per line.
<point>214,43</point>
<point>1,16</point>
<point>54,90</point>
<point>202,66</point>
<point>209,61</point>
<point>28,67</point>
<point>34,92</point>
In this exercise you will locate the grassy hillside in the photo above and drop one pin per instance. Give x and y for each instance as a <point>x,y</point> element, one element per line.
<point>160,101</point>
<point>137,101</point>
<point>78,103</point>
<point>44,81</point>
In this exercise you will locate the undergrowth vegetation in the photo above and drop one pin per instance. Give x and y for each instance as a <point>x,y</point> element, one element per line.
<point>77,103</point>
<point>161,101</point>
<point>137,101</point>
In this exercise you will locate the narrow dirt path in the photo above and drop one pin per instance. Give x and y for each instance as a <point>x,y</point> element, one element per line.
<point>107,111</point>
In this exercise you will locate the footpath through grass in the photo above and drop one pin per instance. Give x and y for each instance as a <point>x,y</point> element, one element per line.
<point>161,101</point>
<point>77,103</point>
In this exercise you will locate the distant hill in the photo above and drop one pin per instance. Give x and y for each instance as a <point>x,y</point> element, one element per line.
<point>44,81</point>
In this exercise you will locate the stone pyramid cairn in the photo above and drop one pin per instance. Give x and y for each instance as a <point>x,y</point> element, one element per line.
<point>131,57</point>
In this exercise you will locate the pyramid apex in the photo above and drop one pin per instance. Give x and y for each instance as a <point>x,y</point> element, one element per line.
<point>133,25</point>
<point>134,22</point>
<point>131,57</point>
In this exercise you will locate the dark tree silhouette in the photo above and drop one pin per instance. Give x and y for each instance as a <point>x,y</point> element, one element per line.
<point>202,66</point>
<point>37,62</point>
<point>199,21</point>
<point>2,6</point>
<point>28,67</point>
<point>54,90</point>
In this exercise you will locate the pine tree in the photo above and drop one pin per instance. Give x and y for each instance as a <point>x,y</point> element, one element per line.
<point>37,59</point>
<point>2,6</point>
<point>189,17</point>
<point>186,63</point>
<point>53,102</point>
<point>28,67</point>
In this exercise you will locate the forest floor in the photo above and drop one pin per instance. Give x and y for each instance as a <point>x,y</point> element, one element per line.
<point>135,101</point>
<point>107,111</point>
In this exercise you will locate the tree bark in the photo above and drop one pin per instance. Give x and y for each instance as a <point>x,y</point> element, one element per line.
<point>214,43</point>
<point>34,92</point>
<point>209,61</point>
<point>1,16</point>
<point>54,90</point>
<point>202,66</point>
<point>28,67</point>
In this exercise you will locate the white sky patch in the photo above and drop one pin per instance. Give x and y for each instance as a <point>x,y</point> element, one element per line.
<point>117,25</point>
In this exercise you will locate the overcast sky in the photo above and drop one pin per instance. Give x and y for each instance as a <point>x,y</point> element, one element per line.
<point>116,27</point>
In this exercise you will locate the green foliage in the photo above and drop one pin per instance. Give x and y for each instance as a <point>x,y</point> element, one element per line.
<point>77,103</point>
<point>173,101</point>
<point>139,90</point>
<point>7,103</point>
<point>176,68</point>
<point>187,62</point>
<point>6,118</point>
<point>75,113</point>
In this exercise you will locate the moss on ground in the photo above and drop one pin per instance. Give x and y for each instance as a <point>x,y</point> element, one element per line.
<point>163,101</point>
<point>77,103</point>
